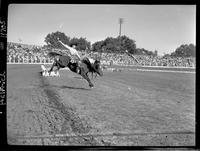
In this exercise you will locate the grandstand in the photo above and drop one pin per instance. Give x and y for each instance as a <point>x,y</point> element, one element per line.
<point>22,53</point>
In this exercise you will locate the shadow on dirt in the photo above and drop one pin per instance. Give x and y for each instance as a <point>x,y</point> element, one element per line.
<point>78,78</point>
<point>70,87</point>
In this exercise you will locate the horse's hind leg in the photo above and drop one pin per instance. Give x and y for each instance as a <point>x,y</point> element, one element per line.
<point>87,78</point>
<point>92,75</point>
<point>95,75</point>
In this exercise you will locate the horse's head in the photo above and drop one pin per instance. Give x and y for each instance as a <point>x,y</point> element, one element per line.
<point>98,68</point>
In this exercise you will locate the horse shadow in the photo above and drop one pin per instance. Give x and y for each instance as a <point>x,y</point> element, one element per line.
<point>79,78</point>
<point>71,87</point>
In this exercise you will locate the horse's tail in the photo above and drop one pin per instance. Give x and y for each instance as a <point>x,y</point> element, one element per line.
<point>53,54</point>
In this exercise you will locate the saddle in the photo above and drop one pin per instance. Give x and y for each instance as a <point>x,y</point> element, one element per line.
<point>87,62</point>
<point>63,61</point>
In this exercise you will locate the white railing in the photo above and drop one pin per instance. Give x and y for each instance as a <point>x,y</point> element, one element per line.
<point>47,60</point>
<point>29,60</point>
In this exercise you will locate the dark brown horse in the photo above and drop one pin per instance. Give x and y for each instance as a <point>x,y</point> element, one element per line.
<point>82,68</point>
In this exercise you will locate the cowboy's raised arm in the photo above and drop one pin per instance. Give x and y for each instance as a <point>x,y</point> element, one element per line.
<point>72,50</point>
<point>68,47</point>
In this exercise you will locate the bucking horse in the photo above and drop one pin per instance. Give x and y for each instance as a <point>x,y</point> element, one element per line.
<point>82,68</point>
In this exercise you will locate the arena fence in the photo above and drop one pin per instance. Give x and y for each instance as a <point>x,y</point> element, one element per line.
<point>28,60</point>
<point>47,60</point>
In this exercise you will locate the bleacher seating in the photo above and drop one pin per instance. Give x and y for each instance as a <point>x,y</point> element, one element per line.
<point>21,53</point>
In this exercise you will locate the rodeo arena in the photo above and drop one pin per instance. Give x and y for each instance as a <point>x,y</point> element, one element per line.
<point>103,99</point>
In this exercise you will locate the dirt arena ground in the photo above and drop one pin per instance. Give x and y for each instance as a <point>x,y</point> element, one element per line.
<point>127,108</point>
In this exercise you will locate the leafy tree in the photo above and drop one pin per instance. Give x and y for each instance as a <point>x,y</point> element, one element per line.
<point>184,51</point>
<point>52,39</point>
<point>127,44</point>
<point>191,51</point>
<point>141,51</point>
<point>117,45</point>
<point>74,41</point>
<point>166,56</point>
<point>81,43</point>
<point>97,46</point>
<point>110,44</point>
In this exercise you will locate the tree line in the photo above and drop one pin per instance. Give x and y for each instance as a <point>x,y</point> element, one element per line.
<point>119,44</point>
<point>184,50</point>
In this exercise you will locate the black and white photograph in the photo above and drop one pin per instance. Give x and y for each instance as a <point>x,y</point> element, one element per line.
<point>101,75</point>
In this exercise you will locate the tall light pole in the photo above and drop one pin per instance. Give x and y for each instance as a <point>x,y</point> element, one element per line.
<point>121,21</point>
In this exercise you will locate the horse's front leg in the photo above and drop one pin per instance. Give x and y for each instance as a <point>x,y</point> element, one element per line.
<point>84,75</point>
<point>54,64</point>
<point>92,75</point>
<point>95,75</point>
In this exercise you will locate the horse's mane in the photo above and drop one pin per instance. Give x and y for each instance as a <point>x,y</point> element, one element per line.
<point>53,54</point>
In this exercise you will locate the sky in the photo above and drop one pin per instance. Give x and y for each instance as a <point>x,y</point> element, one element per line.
<point>154,27</point>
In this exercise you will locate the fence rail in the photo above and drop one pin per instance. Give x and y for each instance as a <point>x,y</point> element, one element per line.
<point>47,60</point>
<point>29,60</point>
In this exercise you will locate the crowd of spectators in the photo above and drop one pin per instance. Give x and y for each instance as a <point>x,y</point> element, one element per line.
<point>165,61</point>
<point>20,53</point>
<point>146,60</point>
